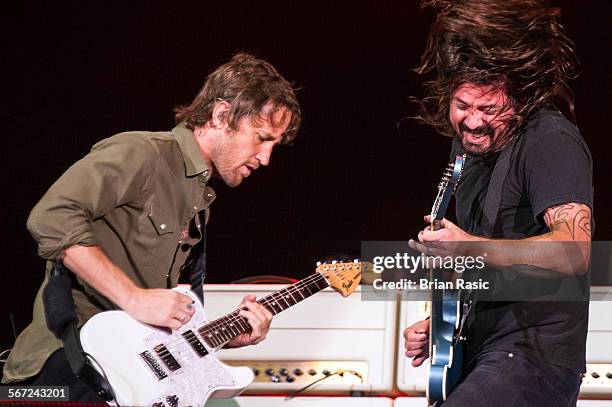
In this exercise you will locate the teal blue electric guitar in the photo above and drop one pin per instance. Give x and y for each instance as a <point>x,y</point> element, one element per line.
<point>446,307</point>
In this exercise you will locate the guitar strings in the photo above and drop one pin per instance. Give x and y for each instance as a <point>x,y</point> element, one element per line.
<point>235,317</point>
<point>242,321</point>
<point>268,301</point>
<point>273,298</point>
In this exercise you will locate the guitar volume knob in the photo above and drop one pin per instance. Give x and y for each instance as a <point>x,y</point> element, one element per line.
<point>172,400</point>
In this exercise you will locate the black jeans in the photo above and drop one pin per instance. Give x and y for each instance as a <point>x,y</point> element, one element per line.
<point>56,372</point>
<point>504,379</point>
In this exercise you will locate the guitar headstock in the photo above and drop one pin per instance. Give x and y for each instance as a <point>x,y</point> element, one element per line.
<point>343,277</point>
<point>447,186</point>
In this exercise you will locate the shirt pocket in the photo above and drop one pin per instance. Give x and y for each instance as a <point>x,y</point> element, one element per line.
<point>163,222</point>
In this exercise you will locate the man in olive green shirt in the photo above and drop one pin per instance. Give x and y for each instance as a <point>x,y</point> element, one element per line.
<point>125,217</point>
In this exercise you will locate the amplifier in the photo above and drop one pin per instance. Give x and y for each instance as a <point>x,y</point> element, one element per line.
<point>346,344</point>
<point>255,401</point>
<point>411,380</point>
<point>597,381</point>
<point>422,402</point>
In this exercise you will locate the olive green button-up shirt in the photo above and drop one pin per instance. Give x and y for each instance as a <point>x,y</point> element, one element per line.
<point>137,195</point>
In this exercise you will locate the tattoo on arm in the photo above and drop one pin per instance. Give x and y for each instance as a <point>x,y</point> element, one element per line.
<point>576,218</point>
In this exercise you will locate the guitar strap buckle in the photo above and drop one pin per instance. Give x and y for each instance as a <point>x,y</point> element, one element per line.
<point>465,311</point>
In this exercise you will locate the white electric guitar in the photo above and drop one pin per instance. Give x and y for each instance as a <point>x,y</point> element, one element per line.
<point>155,367</point>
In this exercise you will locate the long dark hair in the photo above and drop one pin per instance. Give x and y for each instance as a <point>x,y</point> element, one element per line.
<point>519,45</point>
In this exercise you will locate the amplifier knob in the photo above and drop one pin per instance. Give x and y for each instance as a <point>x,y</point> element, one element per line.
<point>283,371</point>
<point>609,375</point>
<point>326,372</point>
<point>270,371</point>
<point>298,372</point>
<point>312,372</point>
<point>290,379</point>
<point>256,371</point>
<point>275,379</point>
<point>595,375</point>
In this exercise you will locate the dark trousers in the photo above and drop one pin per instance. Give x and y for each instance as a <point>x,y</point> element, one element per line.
<point>505,379</point>
<point>56,372</point>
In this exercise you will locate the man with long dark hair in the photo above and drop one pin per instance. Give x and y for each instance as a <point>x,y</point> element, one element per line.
<point>128,219</point>
<point>500,71</point>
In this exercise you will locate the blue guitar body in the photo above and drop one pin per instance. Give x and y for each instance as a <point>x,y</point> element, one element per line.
<point>446,357</point>
<point>445,351</point>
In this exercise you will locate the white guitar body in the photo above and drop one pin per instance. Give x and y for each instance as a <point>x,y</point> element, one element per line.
<point>117,342</point>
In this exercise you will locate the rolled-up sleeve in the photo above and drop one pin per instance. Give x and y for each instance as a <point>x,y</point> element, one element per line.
<point>114,173</point>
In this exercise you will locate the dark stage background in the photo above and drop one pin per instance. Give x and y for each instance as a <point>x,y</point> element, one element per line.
<point>85,71</point>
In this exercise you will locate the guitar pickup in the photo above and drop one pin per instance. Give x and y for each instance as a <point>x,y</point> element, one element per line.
<point>158,371</point>
<point>195,343</point>
<point>165,355</point>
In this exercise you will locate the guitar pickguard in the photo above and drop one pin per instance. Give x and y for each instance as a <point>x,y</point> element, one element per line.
<point>197,376</point>
<point>155,367</point>
<point>117,342</point>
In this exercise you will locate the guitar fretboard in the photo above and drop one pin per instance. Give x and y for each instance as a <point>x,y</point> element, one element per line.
<point>224,329</point>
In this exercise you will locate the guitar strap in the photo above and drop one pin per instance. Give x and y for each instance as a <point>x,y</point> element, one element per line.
<point>62,321</point>
<point>491,206</point>
<point>194,270</point>
<point>494,192</point>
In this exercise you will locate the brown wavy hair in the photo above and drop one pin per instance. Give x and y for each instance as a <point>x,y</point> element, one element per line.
<point>249,85</point>
<point>519,45</point>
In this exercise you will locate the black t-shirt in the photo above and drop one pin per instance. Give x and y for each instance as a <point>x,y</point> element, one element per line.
<point>550,165</point>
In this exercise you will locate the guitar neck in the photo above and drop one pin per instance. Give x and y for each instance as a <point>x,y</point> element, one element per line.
<point>224,329</point>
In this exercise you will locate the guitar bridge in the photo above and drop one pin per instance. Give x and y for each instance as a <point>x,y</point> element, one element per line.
<point>158,371</point>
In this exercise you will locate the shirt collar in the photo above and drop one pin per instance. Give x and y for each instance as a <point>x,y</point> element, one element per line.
<point>194,163</point>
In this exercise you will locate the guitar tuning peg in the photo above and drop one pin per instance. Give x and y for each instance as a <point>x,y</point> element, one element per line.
<point>319,263</point>
<point>355,260</point>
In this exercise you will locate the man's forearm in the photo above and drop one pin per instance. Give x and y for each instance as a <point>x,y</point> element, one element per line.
<point>540,255</point>
<point>160,307</point>
<point>565,249</point>
<point>92,265</point>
